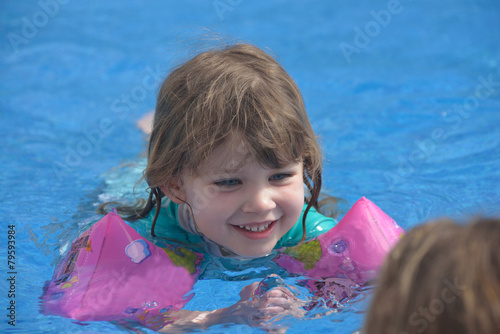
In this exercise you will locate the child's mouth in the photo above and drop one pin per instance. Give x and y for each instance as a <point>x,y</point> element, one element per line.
<point>260,228</point>
<point>257,231</point>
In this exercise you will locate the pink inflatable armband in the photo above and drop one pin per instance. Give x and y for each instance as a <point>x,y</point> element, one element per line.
<point>353,249</point>
<point>113,273</point>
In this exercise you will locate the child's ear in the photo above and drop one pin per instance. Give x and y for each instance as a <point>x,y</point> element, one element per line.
<point>174,191</point>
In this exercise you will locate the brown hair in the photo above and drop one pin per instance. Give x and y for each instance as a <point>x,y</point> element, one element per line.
<point>440,278</point>
<point>237,89</point>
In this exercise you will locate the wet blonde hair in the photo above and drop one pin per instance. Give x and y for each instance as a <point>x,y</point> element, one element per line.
<point>440,278</point>
<point>240,90</point>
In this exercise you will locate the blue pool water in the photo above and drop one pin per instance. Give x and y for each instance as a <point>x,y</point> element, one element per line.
<point>405,97</point>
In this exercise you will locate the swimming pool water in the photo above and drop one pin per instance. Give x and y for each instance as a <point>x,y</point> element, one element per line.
<point>405,97</point>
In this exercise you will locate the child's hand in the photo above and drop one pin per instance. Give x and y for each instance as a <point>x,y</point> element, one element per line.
<point>260,303</point>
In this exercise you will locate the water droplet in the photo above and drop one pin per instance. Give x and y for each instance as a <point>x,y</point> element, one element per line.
<point>339,247</point>
<point>150,304</point>
<point>270,282</point>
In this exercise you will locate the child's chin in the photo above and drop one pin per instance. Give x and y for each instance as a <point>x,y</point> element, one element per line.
<point>254,255</point>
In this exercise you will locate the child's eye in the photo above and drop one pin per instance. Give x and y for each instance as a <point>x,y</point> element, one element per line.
<point>228,183</point>
<point>280,177</point>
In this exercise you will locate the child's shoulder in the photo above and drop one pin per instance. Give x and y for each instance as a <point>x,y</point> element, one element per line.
<point>168,227</point>
<point>316,224</point>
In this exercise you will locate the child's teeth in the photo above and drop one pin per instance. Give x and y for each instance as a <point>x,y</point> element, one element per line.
<point>255,229</point>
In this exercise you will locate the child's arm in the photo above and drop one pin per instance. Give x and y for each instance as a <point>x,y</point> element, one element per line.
<point>250,310</point>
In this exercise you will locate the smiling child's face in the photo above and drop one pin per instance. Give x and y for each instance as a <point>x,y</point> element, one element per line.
<point>240,204</point>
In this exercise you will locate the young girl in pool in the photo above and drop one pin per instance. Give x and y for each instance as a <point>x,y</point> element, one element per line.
<point>233,153</point>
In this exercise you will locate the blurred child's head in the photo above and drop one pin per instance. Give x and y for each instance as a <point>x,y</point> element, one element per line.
<point>441,277</point>
<point>238,98</point>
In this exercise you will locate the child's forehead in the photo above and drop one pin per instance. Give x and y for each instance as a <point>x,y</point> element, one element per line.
<point>229,156</point>
<point>236,152</point>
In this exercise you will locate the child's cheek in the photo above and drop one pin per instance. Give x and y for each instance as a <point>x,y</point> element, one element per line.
<point>203,197</point>
<point>293,201</point>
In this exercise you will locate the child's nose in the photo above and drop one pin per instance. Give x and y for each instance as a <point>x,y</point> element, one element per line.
<point>259,200</point>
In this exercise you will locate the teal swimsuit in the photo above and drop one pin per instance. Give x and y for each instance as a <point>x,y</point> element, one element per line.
<point>168,227</point>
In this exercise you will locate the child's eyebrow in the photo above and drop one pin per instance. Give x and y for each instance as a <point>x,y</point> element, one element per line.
<point>230,164</point>
<point>233,166</point>
<point>221,167</point>
<point>228,169</point>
